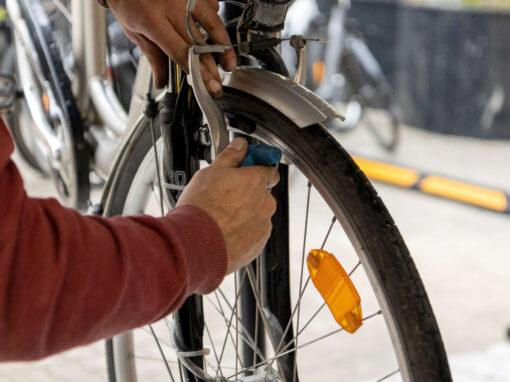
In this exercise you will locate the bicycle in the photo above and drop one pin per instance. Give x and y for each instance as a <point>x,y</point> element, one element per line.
<point>254,327</point>
<point>344,71</point>
<point>70,112</point>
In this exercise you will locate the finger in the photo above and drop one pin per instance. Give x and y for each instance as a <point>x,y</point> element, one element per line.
<point>267,234</point>
<point>210,64</point>
<point>175,47</point>
<point>233,155</point>
<point>170,42</point>
<point>211,76</point>
<point>214,26</point>
<point>275,178</point>
<point>269,207</point>
<point>209,68</point>
<point>269,176</point>
<point>158,60</point>
<point>214,4</point>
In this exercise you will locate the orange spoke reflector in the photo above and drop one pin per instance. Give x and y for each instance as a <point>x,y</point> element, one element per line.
<point>336,288</point>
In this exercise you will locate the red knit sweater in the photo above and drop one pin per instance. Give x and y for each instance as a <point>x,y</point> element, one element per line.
<point>68,280</point>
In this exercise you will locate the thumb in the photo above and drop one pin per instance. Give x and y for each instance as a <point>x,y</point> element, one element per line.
<point>233,155</point>
<point>156,57</point>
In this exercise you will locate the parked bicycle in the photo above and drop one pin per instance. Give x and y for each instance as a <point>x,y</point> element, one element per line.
<point>343,70</point>
<point>75,81</point>
<point>265,323</point>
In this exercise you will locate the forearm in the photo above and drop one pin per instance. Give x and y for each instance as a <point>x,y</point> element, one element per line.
<point>67,280</point>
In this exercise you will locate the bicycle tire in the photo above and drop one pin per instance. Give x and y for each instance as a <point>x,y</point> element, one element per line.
<point>367,86</point>
<point>363,214</point>
<point>384,98</point>
<point>53,71</point>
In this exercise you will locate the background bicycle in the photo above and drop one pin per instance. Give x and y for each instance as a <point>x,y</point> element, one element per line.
<point>343,70</point>
<point>74,69</point>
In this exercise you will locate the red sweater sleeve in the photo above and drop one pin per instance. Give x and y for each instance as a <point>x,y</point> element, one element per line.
<point>68,280</point>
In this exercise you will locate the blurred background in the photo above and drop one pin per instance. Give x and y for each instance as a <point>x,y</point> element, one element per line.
<point>425,87</point>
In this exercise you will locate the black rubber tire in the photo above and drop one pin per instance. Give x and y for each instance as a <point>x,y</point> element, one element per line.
<point>53,71</point>
<point>364,214</point>
<point>383,98</point>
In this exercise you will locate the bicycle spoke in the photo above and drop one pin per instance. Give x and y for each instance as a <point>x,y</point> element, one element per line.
<point>236,346</point>
<point>234,311</point>
<point>355,267</point>
<point>388,375</point>
<point>281,354</point>
<point>280,344</point>
<point>245,336</point>
<point>218,366</point>
<point>329,232</point>
<point>310,320</point>
<point>301,294</point>
<point>337,330</point>
<point>294,372</point>
<point>162,353</point>
<point>320,308</point>
<point>63,9</point>
<point>258,302</point>
<point>159,338</point>
<point>221,312</point>
<point>158,199</point>
<point>261,310</point>
<point>248,340</point>
<point>226,336</point>
<point>257,285</point>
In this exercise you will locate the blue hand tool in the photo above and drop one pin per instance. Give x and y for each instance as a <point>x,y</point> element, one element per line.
<point>262,155</point>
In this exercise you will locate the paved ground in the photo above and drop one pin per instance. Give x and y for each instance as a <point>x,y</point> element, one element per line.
<point>462,253</point>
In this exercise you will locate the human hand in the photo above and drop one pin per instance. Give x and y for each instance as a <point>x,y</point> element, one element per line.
<point>158,27</point>
<point>238,199</point>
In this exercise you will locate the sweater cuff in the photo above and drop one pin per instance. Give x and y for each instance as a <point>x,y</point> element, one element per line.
<point>204,247</point>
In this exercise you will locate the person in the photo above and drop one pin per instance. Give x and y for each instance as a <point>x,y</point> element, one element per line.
<point>69,280</point>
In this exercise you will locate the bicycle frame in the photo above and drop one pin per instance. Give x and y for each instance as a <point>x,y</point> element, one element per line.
<point>94,94</point>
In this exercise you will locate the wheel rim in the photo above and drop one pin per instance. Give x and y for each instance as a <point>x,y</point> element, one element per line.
<point>143,188</point>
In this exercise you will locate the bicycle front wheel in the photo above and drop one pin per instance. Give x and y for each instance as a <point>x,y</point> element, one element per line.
<point>325,201</point>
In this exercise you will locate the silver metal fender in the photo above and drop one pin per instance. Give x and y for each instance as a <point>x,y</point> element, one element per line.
<point>296,102</point>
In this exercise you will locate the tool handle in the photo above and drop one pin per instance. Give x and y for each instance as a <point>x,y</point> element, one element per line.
<point>262,155</point>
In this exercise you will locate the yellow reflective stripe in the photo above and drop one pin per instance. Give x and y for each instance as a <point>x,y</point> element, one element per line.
<point>388,173</point>
<point>464,192</point>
